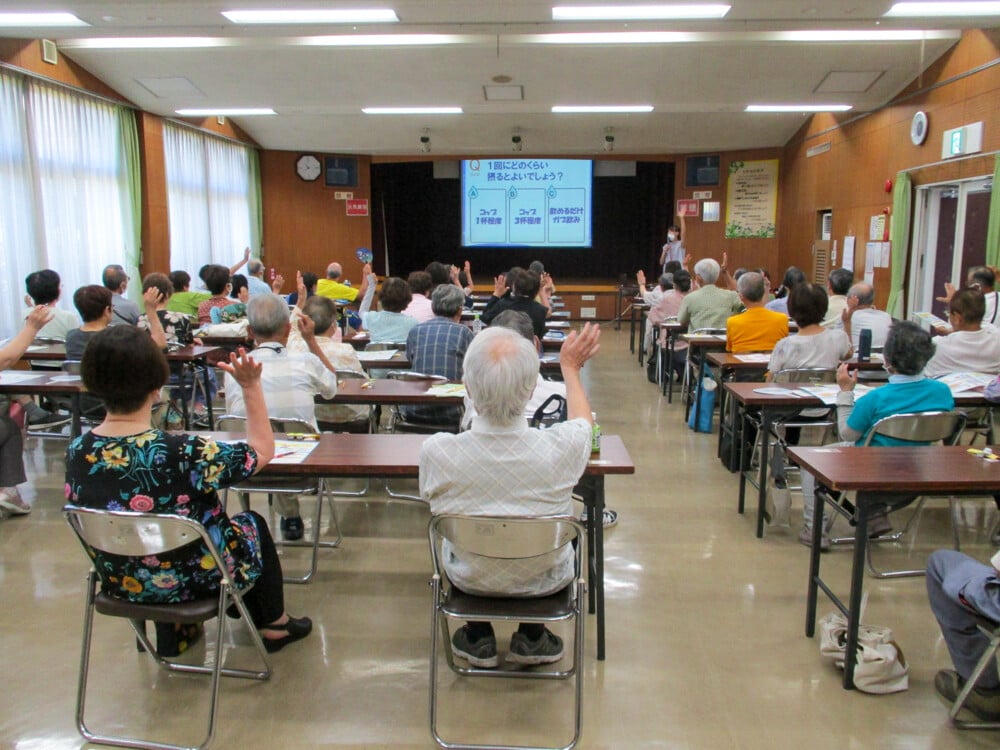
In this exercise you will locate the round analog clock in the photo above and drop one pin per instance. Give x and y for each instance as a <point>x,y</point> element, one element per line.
<point>308,167</point>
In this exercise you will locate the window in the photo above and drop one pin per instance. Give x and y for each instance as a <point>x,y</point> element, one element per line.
<point>212,196</point>
<point>64,175</point>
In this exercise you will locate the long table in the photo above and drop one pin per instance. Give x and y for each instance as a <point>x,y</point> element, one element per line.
<point>381,455</point>
<point>745,396</point>
<point>548,363</point>
<point>46,383</point>
<point>881,477</point>
<point>185,354</point>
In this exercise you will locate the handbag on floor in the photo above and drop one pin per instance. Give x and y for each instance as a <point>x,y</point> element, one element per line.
<point>881,667</point>
<point>703,406</point>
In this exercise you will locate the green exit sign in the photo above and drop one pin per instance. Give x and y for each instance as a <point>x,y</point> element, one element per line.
<point>956,142</point>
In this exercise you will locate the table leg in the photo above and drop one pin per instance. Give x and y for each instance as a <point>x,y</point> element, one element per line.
<point>75,426</point>
<point>740,507</point>
<point>857,585</point>
<point>597,583</point>
<point>814,557</point>
<point>765,445</point>
<point>642,338</point>
<point>618,310</point>
<point>208,395</point>
<point>631,329</point>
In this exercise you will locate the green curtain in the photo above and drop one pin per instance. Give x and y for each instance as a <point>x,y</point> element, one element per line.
<point>256,204</point>
<point>993,228</point>
<point>902,199</point>
<point>129,134</point>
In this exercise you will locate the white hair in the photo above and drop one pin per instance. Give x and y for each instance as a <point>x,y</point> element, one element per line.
<point>267,314</point>
<point>500,371</point>
<point>708,269</point>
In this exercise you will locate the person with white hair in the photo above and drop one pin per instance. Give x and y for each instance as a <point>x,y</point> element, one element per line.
<point>291,380</point>
<point>502,467</point>
<point>255,280</point>
<point>711,305</point>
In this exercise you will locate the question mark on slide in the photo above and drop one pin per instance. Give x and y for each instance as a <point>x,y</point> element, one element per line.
<point>560,176</point>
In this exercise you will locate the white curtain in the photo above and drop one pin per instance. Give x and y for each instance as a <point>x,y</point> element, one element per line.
<point>64,197</point>
<point>211,199</point>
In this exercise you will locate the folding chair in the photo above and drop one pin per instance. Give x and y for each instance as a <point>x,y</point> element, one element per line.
<point>140,535</point>
<point>920,428</point>
<point>503,538</point>
<point>286,486</point>
<point>992,631</point>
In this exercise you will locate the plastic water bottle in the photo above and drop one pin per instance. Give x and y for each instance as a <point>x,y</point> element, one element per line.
<point>595,441</point>
<point>477,325</point>
<point>865,345</point>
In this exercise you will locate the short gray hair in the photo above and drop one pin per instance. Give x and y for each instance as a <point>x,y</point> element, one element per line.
<point>708,269</point>
<point>447,300</point>
<point>322,311</point>
<point>908,348</point>
<point>267,314</point>
<point>333,271</point>
<point>255,267</point>
<point>516,320</point>
<point>865,293</point>
<point>751,286</point>
<point>500,372</point>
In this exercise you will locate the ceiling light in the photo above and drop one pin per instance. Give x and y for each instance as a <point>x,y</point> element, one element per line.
<point>225,112</point>
<point>798,107</point>
<point>146,42</point>
<point>853,35</point>
<point>383,40</point>
<point>611,37</point>
<point>636,12</point>
<point>945,9</point>
<point>320,15</point>
<point>412,110</point>
<point>601,108</point>
<point>40,19</point>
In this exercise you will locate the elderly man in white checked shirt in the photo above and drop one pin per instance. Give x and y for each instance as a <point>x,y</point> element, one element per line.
<point>502,467</point>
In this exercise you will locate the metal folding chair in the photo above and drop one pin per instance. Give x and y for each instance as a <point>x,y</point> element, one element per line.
<point>139,535</point>
<point>291,486</point>
<point>992,631</point>
<point>505,539</point>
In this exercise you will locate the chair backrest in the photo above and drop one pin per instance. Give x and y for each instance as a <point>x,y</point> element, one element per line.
<point>805,375</point>
<point>47,340</point>
<point>71,366</point>
<point>920,427</point>
<point>233,423</point>
<point>411,375</point>
<point>708,332</point>
<point>382,346</point>
<point>132,534</point>
<point>351,375</point>
<point>507,538</point>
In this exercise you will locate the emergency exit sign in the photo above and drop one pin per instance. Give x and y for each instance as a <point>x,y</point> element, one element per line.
<point>967,139</point>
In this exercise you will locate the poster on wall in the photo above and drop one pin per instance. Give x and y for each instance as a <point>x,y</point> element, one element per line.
<point>752,199</point>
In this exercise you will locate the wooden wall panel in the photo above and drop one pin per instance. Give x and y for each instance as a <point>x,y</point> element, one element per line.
<point>850,178</point>
<point>155,218</point>
<point>305,228</point>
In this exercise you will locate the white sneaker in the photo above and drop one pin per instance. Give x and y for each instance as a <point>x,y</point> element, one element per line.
<point>11,501</point>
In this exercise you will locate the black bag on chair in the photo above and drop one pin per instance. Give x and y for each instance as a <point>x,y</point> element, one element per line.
<point>651,369</point>
<point>552,411</point>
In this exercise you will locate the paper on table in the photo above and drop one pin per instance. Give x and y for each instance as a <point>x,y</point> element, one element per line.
<point>447,389</point>
<point>360,335</point>
<point>64,379</point>
<point>959,382</point>
<point>775,391</point>
<point>753,357</point>
<point>292,451</point>
<point>828,393</point>
<point>381,356</point>
<point>556,324</point>
<point>18,377</point>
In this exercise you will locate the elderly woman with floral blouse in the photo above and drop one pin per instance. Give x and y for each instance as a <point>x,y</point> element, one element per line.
<point>124,464</point>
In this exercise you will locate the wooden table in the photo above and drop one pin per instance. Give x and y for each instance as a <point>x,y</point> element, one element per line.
<point>744,395</point>
<point>382,455</point>
<point>882,477</point>
<point>46,383</point>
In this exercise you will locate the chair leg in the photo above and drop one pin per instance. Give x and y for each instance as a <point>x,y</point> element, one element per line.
<point>988,655</point>
<point>869,560</point>
<point>316,542</point>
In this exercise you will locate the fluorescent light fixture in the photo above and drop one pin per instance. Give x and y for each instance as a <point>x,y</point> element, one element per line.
<point>320,15</point>
<point>382,40</point>
<point>637,12</point>
<point>798,107</point>
<point>852,35</point>
<point>613,37</point>
<point>40,19</point>
<point>601,108</point>
<point>225,112</point>
<point>909,10</point>
<point>146,42</point>
<point>412,110</point>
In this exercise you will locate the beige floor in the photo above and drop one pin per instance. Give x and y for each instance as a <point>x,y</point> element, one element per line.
<point>705,626</point>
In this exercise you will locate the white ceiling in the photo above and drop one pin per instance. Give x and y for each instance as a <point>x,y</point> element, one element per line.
<point>699,89</point>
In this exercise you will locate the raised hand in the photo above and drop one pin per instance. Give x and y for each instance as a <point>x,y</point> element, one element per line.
<point>38,317</point>
<point>580,346</point>
<point>500,286</point>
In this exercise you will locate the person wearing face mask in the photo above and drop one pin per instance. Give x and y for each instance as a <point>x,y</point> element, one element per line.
<point>674,247</point>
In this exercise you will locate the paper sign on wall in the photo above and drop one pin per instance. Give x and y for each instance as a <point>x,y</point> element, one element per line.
<point>357,207</point>
<point>848,261</point>
<point>687,207</point>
